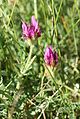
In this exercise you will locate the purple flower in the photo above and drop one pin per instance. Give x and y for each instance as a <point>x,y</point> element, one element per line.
<point>50,56</point>
<point>31,30</point>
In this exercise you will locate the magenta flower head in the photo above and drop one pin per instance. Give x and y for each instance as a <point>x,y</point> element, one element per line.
<point>50,57</point>
<point>32,30</point>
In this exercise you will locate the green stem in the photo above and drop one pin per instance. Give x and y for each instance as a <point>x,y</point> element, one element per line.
<point>11,13</point>
<point>14,103</point>
<point>51,74</point>
<point>58,17</point>
<point>35,8</point>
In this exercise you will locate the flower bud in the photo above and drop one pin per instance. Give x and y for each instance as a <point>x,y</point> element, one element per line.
<point>50,56</point>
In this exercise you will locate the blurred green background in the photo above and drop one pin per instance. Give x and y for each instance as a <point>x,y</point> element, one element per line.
<point>25,92</point>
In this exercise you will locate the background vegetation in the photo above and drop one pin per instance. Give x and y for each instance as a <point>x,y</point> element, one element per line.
<point>26,92</point>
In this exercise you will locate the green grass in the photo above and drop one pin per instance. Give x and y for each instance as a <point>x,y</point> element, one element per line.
<point>26,92</point>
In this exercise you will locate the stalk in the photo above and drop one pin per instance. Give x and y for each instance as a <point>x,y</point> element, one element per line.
<point>35,9</point>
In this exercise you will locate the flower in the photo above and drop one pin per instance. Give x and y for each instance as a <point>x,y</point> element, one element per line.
<point>50,56</point>
<point>31,30</point>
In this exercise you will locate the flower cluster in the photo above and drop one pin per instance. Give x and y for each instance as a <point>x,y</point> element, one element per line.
<point>50,56</point>
<point>31,30</point>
